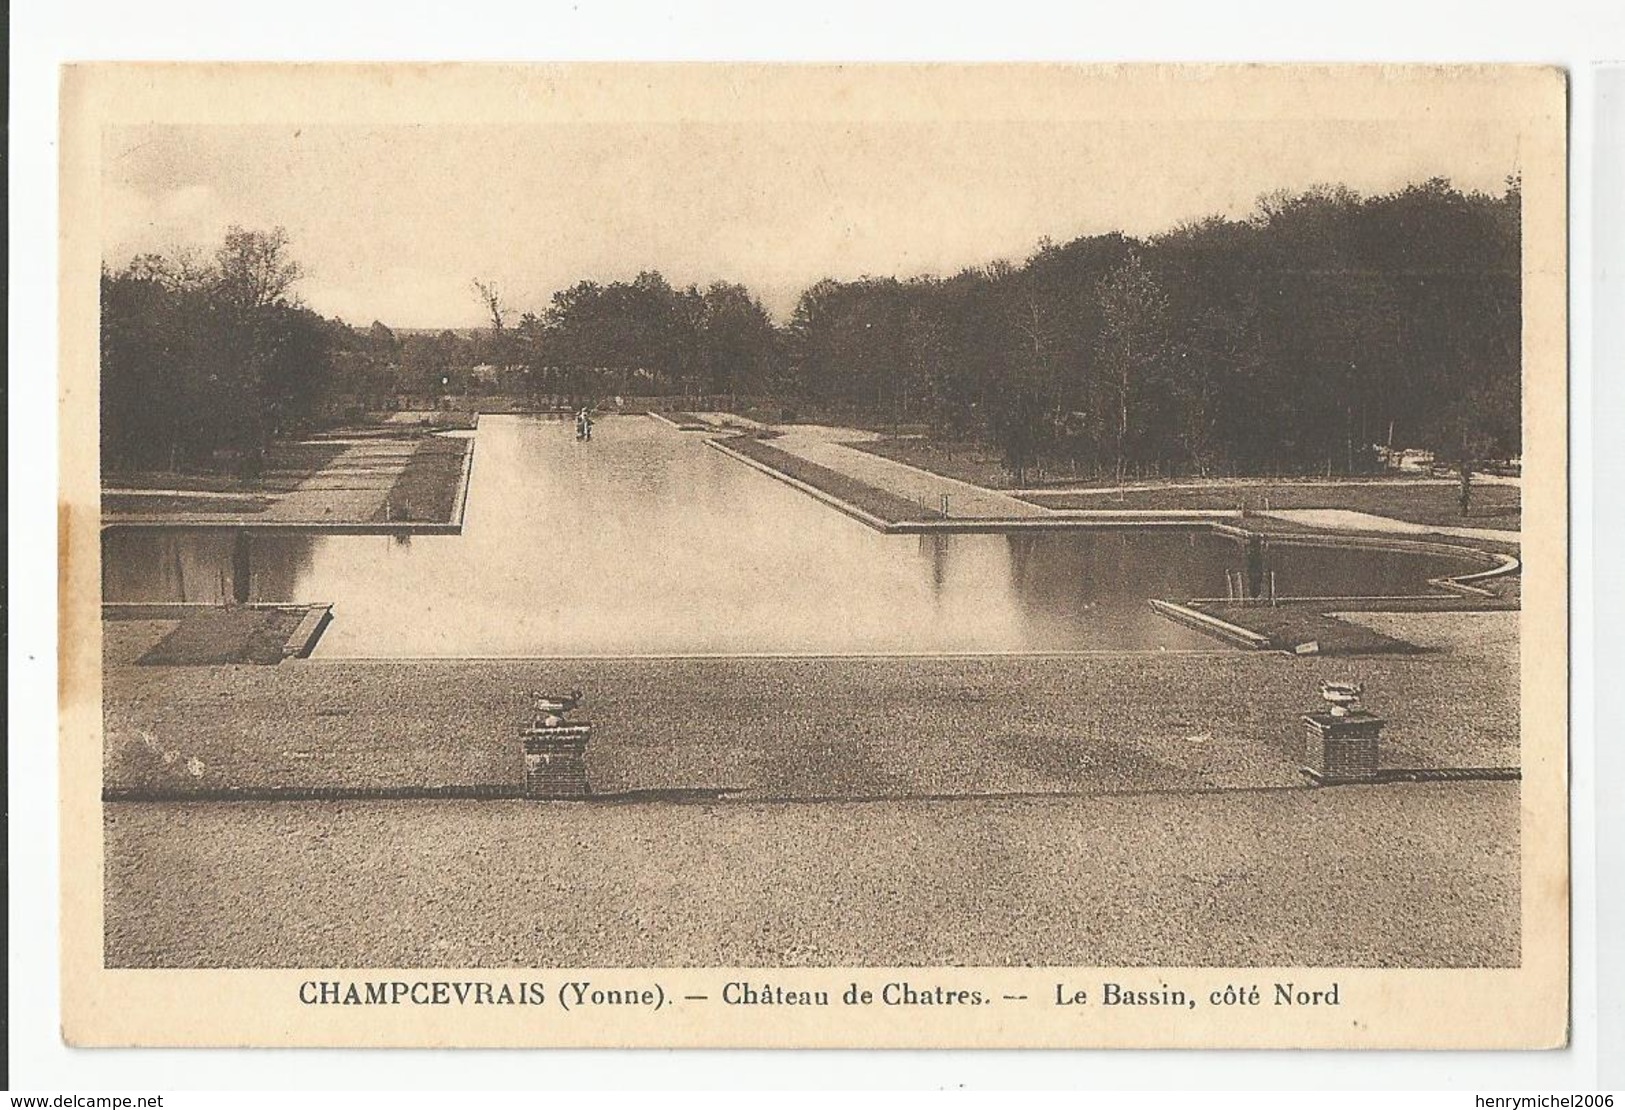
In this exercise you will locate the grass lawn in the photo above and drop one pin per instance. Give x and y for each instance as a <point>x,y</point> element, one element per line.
<point>876,502</point>
<point>1421,502</point>
<point>286,465</point>
<point>435,419</point>
<point>426,488</point>
<point>144,504</point>
<point>226,635</point>
<point>975,463</point>
<point>1287,626</point>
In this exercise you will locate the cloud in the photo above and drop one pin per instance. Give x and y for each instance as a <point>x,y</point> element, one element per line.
<point>392,223</point>
<point>399,296</point>
<point>136,222</point>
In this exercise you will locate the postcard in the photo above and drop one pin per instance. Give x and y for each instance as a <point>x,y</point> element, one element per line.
<point>814,555</point>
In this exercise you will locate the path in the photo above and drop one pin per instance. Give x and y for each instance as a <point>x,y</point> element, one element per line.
<point>351,487</point>
<point>828,446</point>
<point>1246,483</point>
<point>831,447</point>
<point>190,494</point>
<point>1350,520</point>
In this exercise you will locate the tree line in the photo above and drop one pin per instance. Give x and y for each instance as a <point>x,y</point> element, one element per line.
<point>1297,339</point>
<point>205,360</point>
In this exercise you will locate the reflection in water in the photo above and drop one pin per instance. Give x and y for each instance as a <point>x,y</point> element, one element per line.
<point>1255,566</point>
<point>212,566</point>
<point>644,541</point>
<point>208,566</point>
<point>934,548</point>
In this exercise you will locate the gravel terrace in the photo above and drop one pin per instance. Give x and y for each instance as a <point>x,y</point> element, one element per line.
<point>817,727</point>
<point>1088,810</point>
<point>1401,875</point>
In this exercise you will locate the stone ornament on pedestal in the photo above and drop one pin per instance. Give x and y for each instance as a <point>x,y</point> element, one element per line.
<point>1342,742</point>
<point>556,760</point>
<point>556,750</point>
<point>1341,749</point>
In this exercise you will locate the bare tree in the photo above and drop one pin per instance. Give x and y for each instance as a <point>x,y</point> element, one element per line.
<point>491,297</point>
<point>184,268</point>
<point>253,267</point>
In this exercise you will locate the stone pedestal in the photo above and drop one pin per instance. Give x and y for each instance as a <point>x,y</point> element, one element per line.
<point>1341,750</point>
<point>556,760</point>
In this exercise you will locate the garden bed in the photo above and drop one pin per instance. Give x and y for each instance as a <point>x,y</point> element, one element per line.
<point>878,503</point>
<point>1287,627</point>
<point>228,634</point>
<point>428,488</point>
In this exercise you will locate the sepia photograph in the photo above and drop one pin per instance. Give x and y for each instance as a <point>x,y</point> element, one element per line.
<point>1005,555</point>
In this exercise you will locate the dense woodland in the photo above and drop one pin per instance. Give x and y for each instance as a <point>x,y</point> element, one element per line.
<point>1296,340</point>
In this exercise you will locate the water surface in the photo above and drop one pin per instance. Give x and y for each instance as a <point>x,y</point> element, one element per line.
<point>647,542</point>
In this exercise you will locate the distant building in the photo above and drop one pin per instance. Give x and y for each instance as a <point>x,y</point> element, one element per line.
<point>1410,459</point>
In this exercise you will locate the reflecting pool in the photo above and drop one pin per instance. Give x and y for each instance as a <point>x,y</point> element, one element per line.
<point>646,542</point>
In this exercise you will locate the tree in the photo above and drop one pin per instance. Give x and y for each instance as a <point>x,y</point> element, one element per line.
<point>1022,411</point>
<point>382,341</point>
<point>203,364</point>
<point>925,347</point>
<point>186,269</point>
<point>491,297</point>
<point>1132,349</point>
<point>736,339</point>
<point>290,350</point>
<point>253,268</point>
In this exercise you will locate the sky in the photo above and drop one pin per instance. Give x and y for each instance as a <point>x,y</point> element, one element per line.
<point>394,223</point>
